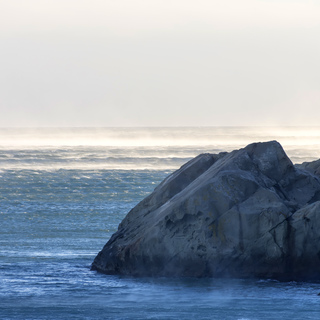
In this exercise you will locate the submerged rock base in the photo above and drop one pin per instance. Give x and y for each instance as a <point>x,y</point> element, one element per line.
<point>247,213</point>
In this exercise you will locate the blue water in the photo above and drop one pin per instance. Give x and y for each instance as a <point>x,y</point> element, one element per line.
<point>62,197</point>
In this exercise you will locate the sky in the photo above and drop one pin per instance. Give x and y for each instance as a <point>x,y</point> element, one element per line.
<point>111,63</point>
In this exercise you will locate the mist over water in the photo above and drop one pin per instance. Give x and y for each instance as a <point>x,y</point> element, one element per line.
<point>156,136</point>
<point>63,193</point>
<point>141,148</point>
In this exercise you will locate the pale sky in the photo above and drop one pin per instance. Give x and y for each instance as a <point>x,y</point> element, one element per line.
<point>159,62</point>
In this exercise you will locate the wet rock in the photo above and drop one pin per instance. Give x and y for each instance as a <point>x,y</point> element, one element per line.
<point>247,213</point>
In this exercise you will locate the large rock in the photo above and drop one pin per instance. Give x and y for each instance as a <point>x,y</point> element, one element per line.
<point>247,213</point>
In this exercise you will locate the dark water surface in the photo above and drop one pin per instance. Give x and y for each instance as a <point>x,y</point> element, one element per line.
<point>59,204</point>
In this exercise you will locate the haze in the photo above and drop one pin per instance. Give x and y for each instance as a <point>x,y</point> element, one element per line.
<point>159,63</point>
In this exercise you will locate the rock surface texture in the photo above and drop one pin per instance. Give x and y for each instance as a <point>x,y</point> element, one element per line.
<point>247,213</point>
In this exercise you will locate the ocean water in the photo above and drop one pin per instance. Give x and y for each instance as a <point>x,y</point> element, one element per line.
<point>63,193</point>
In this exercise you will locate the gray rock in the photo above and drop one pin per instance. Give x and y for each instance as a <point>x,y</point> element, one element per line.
<point>247,213</point>
<point>313,167</point>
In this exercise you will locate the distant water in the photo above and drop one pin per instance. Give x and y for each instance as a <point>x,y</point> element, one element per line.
<point>63,193</point>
